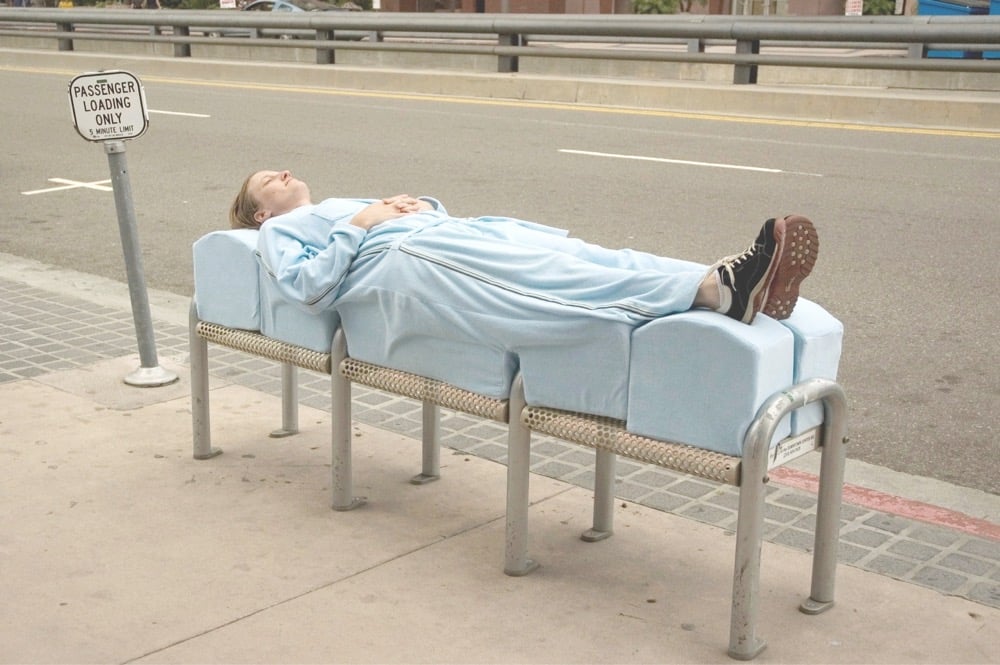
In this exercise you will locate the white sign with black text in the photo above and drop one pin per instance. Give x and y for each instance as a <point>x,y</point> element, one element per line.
<point>108,106</point>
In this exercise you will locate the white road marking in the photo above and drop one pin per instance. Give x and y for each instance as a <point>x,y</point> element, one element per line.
<point>99,185</point>
<point>686,162</point>
<point>186,115</point>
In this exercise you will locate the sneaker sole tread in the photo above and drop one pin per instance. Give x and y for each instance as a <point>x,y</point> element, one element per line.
<point>799,250</point>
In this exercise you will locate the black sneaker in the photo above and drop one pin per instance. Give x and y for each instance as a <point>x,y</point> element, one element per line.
<point>767,275</point>
<point>748,275</point>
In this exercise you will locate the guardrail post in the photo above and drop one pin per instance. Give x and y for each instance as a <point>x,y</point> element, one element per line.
<point>182,50</point>
<point>65,44</point>
<point>696,45</point>
<point>508,63</point>
<point>325,56</point>
<point>918,51</point>
<point>746,74</point>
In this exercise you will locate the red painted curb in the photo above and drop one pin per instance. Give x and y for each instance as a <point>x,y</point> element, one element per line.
<point>894,505</point>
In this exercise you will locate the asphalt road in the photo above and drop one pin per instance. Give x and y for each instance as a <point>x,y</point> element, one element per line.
<point>907,218</point>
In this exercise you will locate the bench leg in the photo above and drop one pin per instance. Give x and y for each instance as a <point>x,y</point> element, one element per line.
<point>340,423</point>
<point>831,482</point>
<point>604,497</point>
<point>516,561</point>
<point>200,413</point>
<point>431,469</point>
<point>289,402</point>
<point>744,644</point>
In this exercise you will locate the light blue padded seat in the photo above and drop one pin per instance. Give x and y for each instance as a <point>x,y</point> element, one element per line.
<point>696,378</point>
<point>227,280</point>
<point>231,290</point>
<point>819,341</point>
<point>398,331</point>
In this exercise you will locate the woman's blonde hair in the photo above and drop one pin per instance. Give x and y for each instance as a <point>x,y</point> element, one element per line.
<point>241,214</point>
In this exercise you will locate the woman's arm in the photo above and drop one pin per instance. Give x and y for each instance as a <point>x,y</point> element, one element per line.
<point>309,264</point>
<point>309,251</point>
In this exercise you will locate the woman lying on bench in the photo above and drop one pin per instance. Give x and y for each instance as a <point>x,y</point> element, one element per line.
<point>511,275</point>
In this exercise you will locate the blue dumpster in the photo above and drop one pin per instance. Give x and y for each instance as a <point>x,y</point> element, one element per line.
<point>994,11</point>
<point>953,8</point>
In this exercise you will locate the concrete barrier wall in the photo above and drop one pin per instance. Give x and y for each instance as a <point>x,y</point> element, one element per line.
<point>564,67</point>
<point>924,99</point>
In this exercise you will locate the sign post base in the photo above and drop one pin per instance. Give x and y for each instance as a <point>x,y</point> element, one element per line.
<point>150,377</point>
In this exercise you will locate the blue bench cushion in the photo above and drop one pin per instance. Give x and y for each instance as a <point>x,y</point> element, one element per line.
<point>696,378</point>
<point>818,344</point>
<point>226,280</point>
<point>394,330</point>
<point>231,290</point>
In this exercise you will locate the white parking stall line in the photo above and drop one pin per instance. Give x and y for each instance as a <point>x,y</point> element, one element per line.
<point>685,162</point>
<point>186,115</point>
<point>99,185</point>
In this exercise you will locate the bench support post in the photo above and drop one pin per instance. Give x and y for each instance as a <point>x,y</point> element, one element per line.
<point>516,561</point>
<point>604,497</point>
<point>431,468</point>
<point>340,423</point>
<point>831,483</point>
<point>289,402</point>
<point>200,412</point>
<point>744,643</point>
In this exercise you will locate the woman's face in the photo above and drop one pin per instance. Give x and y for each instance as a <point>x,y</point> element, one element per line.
<point>276,192</point>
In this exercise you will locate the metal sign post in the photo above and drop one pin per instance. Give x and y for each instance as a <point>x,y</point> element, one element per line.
<point>110,107</point>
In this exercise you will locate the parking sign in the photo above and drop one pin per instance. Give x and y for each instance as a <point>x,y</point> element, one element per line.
<point>108,106</point>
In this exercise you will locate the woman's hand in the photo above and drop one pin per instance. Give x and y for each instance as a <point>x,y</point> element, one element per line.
<point>406,203</point>
<point>392,207</point>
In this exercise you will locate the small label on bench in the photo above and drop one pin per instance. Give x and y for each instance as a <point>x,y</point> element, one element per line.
<point>789,449</point>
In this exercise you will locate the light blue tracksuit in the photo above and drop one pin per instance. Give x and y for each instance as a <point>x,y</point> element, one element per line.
<point>505,269</point>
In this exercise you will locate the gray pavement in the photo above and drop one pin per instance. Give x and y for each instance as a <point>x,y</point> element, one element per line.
<point>118,546</point>
<point>916,364</point>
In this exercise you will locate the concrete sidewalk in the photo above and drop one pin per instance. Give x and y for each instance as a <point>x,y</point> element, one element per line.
<point>117,546</point>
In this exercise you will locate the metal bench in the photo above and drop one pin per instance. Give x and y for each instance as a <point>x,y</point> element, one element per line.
<point>607,436</point>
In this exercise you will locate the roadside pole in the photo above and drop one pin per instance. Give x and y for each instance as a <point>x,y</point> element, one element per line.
<point>110,108</point>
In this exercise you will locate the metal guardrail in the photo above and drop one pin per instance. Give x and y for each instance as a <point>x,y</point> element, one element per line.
<point>508,37</point>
